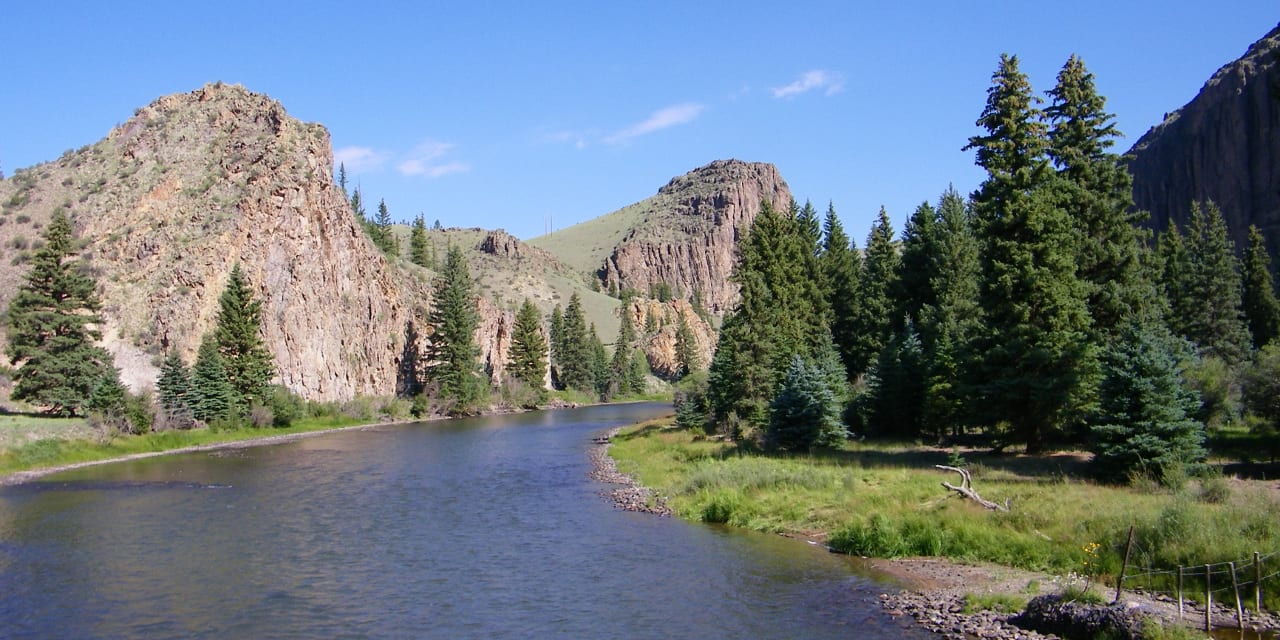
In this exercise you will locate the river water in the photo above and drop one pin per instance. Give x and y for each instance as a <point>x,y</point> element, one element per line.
<point>478,528</point>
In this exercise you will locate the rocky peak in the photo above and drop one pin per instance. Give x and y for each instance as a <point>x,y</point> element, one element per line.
<point>686,239</point>
<point>1222,146</point>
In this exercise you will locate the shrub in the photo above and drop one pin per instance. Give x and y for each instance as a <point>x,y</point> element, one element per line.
<point>261,416</point>
<point>421,406</point>
<point>285,406</point>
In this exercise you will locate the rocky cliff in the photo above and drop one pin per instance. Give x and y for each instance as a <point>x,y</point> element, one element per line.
<point>683,237</point>
<point>1223,146</point>
<point>657,322</point>
<point>194,183</point>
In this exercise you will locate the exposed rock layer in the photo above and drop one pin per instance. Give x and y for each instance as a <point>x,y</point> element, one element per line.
<point>1223,146</point>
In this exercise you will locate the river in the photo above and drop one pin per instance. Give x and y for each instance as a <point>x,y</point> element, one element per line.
<point>475,528</point>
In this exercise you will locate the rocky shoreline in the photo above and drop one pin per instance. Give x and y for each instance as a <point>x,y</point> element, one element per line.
<point>629,495</point>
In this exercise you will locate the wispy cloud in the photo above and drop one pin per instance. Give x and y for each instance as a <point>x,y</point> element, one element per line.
<point>830,84</point>
<point>425,160</point>
<point>576,138</point>
<point>359,159</point>
<point>661,119</point>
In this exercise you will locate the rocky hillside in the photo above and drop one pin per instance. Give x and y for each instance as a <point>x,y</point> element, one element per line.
<point>683,237</point>
<point>1223,146</point>
<point>194,183</point>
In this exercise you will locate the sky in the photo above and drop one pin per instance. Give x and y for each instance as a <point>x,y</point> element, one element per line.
<point>535,115</point>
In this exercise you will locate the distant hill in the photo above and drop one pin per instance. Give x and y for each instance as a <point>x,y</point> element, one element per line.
<point>683,237</point>
<point>1222,146</point>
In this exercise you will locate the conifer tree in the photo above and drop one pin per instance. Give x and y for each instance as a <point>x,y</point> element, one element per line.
<point>1260,305</point>
<point>384,235</point>
<point>1176,277</point>
<point>916,267</point>
<point>805,413</point>
<point>556,340</point>
<point>52,324</point>
<point>1097,191</point>
<point>620,364</point>
<point>1216,322</point>
<point>453,354</point>
<point>342,178</point>
<point>575,354</point>
<point>637,372</point>
<point>687,360</point>
<point>841,266</point>
<point>527,359</point>
<point>1260,391</point>
<point>1035,353</point>
<point>873,315</point>
<point>239,335</point>
<point>174,389</point>
<point>808,225</point>
<point>1144,424</point>
<point>900,385</point>
<point>601,377</point>
<point>212,396</point>
<point>418,252</point>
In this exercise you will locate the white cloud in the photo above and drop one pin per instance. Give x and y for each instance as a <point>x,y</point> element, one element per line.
<point>359,159</point>
<point>577,139</point>
<point>424,160</point>
<point>830,83</point>
<point>661,119</point>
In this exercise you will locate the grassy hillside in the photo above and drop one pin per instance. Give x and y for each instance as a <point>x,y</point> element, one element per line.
<point>586,245</point>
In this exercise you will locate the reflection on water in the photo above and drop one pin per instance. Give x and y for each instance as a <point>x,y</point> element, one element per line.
<point>484,527</point>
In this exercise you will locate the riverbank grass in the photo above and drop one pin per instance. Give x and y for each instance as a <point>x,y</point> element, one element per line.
<point>55,452</point>
<point>886,500</point>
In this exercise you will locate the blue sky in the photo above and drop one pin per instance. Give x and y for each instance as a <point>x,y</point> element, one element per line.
<point>506,114</point>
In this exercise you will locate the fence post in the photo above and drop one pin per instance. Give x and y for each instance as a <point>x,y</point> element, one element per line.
<point>1235,586</point>
<point>1128,547</point>
<point>1179,594</point>
<point>1208,599</point>
<point>1257,582</point>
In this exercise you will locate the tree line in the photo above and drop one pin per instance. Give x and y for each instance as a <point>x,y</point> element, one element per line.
<point>1035,312</point>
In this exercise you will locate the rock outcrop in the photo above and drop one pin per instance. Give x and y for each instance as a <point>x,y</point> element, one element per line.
<point>657,322</point>
<point>1223,146</point>
<point>195,183</point>
<point>688,240</point>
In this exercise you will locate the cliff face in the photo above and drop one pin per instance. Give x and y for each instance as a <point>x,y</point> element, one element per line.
<point>688,240</point>
<point>1222,146</point>
<point>197,182</point>
<point>657,323</point>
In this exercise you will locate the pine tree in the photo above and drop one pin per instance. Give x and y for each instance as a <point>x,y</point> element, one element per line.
<point>841,266</point>
<point>384,235</point>
<point>174,389</point>
<point>527,359</point>
<point>687,360</point>
<point>1260,305</point>
<point>52,323</point>
<point>637,372</point>
<point>1216,321</point>
<point>1035,353</point>
<point>453,354</point>
<point>1176,277</point>
<point>212,396</point>
<point>916,267</point>
<point>1144,424</point>
<point>1260,390</point>
<point>808,225</point>
<point>357,208</point>
<point>900,388</point>
<point>1098,193</point>
<point>873,316</point>
<point>620,364</point>
<point>418,252</point>
<point>575,355</point>
<point>557,339</point>
<point>342,178</point>
<point>238,333</point>
<point>805,412</point>
<point>599,361</point>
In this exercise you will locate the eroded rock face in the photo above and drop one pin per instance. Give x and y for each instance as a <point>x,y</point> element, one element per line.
<point>197,182</point>
<point>1223,146</point>
<point>657,323</point>
<point>688,241</point>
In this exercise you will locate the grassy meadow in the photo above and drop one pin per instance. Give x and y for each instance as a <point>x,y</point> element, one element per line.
<point>886,500</point>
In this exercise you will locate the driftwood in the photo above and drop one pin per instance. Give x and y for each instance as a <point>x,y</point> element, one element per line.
<point>966,489</point>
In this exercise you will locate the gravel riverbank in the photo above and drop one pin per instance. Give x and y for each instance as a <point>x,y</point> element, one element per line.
<point>628,495</point>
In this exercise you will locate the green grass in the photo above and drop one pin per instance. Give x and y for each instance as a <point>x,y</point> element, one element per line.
<point>999,602</point>
<point>885,500</point>
<point>57,452</point>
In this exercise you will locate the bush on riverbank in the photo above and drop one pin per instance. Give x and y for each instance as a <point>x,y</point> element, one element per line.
<point>884,500</point>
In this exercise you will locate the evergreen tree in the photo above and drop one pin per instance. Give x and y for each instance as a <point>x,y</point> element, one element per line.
<point>453,354</point>
<point>808,225</point>
<point>873,315</point>
<point>916,268</point>
<point>556,335</point>
<point>527,359</point>
<point>52,323</point>
<point>620,364</point>
<point>841,266</point>
<point>384,236</point>
<point>1176,279</point>
<point>575,354</point>
<point>1261,394</point>
<point>900,385</point>
<point>687,360</point>
<point>109,394</point>
<point>601,377</point>
<point>1260,305</point>
<point>238,333</point>
<point>1098,194</point>
<point>1144,424</point>
<point>781,312</point>
<point>1035,354</point>
<point>1216,321</point>
<point>342,178</point>
<point>805,412</point>
<point>418,252</point>
<point>357,208</point>
<point>637,372</point>
<point>174,389</point>
<point>212,396</point>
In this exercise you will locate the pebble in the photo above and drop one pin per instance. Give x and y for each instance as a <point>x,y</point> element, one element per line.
<point>630,496</point>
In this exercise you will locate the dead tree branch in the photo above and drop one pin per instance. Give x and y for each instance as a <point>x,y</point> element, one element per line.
<point>966,489</point>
